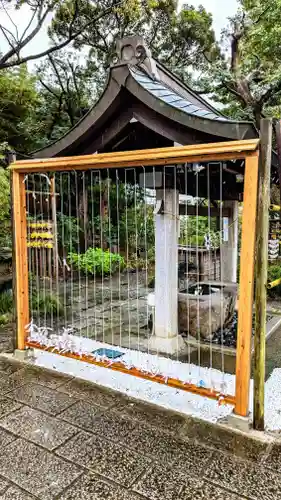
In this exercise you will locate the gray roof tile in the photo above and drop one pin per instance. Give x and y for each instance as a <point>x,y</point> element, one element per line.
<point>170,97</point>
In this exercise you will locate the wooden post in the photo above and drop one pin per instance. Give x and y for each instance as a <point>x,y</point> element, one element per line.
<point>278,145</point>
<point>247,260</point>
<point>21,264</point>
<point>261,270</point>
<point>55,227</point>
<point>12,159</point>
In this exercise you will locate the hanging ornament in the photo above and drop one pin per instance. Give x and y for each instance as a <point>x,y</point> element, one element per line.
<point>273,249</point>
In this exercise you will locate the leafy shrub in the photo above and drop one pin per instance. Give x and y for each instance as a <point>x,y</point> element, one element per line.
<point>68,232</point>
<point>6,302</point>
<point>46,303</point>
<point>137,228</point>
<point>97,261</point>
<point>5,319</point>
<point>194,229</point>
<point>274,273</point>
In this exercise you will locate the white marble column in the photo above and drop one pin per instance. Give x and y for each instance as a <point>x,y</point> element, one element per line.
<point>166,338</point>
<point>229,249</point>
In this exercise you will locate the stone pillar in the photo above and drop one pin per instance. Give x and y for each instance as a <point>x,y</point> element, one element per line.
<point>229,249</point>
<point>166,338</point>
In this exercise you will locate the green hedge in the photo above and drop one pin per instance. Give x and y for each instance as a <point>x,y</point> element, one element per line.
<point>97,261</point>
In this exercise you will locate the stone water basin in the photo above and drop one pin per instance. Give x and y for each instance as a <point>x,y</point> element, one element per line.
<point>204,308</point>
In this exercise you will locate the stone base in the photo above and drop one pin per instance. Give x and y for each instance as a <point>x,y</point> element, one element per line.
<point>167,345</point>
<point>7,338</point>
<point>238,422</point>
<point>23,355</point>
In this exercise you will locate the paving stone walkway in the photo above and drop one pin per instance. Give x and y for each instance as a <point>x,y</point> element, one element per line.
<point>64,439</point>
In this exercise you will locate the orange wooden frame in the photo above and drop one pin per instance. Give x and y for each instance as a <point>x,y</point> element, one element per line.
<point>247,150</point>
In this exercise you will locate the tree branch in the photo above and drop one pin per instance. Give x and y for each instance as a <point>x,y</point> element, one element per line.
<point>6,36</point>
<point>21,44</point>
<point>261,15</point>
<point>274,89</point>
<point>5,63</point>
<point>56,71</point>
<point>73,73</point>
<point>235,93</point>
<point>11,20</point>
<point>28,25</point>
<point>49,89</point>
<point>55,117</point>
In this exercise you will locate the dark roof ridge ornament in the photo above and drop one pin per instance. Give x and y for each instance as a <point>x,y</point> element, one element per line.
<point>133,51</point>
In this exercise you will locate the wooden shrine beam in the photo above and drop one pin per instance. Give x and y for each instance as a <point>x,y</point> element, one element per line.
<point>161,156</point>
<point>203,211</point>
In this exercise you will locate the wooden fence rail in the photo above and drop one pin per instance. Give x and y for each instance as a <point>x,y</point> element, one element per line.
<point>245,150</point>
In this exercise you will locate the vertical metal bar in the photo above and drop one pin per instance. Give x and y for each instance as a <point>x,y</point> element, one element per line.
<point>261,268</point>
<point>20,234</point>
<point>55,230</point>
<point>245,311</point>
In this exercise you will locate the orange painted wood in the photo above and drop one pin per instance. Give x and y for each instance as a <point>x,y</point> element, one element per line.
<point>20,234</point>
<point>120,367</point>
<point>158,156</point>
<point>246,286</point>
<point>142,162</point>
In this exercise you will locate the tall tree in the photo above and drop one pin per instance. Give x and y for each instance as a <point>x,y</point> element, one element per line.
<point>247,78</point>
<point>39,13</point>
<point>19,100</point>
<point>180,39</point>
<point>67,90</point>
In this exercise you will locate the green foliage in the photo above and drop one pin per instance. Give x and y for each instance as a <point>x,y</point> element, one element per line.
<point>274,273</point>
<point>46,303</point>
<point>247,78</point>
<point>97,262</point>
<point>68,232</point>
<point>35,111</point>
<point>4,194</point>
<point>6,303</point>
<point>19,100</point>
<point>137,228</point>
<point>194,229</point>
<point>5,218</point>
<point>5,319</point>
<point>180,38</point>
<point>144,261</point>
<point>187,43</point>
<point>67,88</point>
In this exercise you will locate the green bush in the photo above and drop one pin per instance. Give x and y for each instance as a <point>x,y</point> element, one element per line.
<point>194,229</point>
<point>68,232</point>
<point>46,303</point>
<point>6,302</point>
<point>5,319</point>
<point>274,273</point>
<point>97,261</point>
